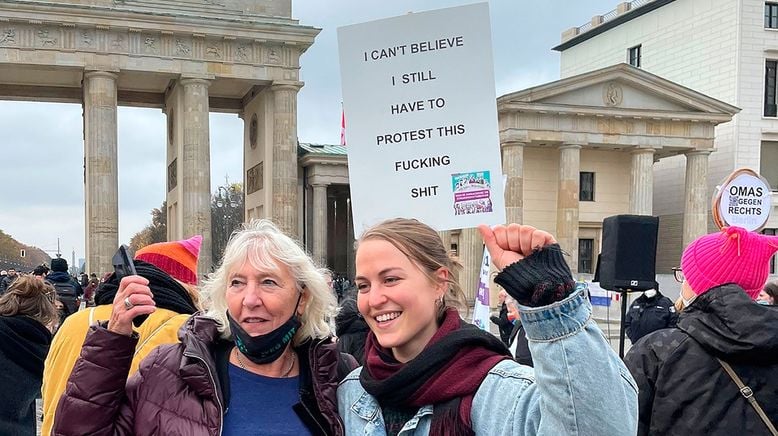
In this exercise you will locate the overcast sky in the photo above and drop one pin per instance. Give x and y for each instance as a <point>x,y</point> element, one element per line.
<point>42,143</point>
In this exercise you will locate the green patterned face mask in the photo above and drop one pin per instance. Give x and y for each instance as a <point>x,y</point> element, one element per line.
<point>268,347</point>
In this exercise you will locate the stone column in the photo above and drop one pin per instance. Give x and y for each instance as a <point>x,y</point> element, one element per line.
<point>695,214</point>
<point>641,176</point>
<point>567,201</point>
<point>513,167</point>
<point>470,255</point>
<point>320,223</point>
<point>196,168</point>
<point>284,177</point>
<point>445,236</point>
<point>101,170</point>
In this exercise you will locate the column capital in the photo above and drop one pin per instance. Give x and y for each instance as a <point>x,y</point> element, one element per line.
<point>318,184</point>
<point>88,74</point>
<point>286,86</point>
<point>639,150</point>
<point>571,145</point>
<point>698,152</point>
<point>187,81</point>
<point>513,136</point>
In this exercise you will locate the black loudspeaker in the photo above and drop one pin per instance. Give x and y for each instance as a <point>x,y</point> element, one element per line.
<point>628,257</point>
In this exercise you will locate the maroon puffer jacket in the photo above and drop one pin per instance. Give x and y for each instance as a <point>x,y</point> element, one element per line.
<point>181,389</point>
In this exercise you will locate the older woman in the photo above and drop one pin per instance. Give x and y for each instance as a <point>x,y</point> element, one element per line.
<point>26,313</point>
<point>690,376</point>
<point>260,361</point>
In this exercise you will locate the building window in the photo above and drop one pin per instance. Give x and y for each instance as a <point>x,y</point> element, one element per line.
<point>585,255</point>
<point>586,187</point>
<point>770,109</point>
<point>771,15</point>
<point>771,232</point>
<point>634,56</point>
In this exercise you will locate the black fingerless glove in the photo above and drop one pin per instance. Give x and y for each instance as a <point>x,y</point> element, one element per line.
<point>539,279</point>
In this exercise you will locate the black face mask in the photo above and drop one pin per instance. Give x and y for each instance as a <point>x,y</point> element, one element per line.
<point>268,347</point>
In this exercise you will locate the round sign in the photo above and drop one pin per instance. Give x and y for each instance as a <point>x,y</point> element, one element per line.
<point>744,200</point>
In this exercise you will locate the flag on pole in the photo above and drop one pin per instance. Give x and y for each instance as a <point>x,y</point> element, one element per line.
<point>482,310</point>
<point>342,126</point>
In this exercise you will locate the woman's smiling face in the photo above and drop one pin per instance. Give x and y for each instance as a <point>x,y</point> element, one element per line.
<point>396,298</point>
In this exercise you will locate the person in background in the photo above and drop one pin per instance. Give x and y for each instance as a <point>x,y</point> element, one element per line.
<point>26,313</point>
<point>428,372</point>
<point>769,295</point>
<point>261,361</point>
<point>683,373</point>
<point>171,271</point>
<point>650,312</point>
<point>504,325</point>
<point>8,278</point>
<point>517,339</point>
<point>69,291</point>
<point>89,291</point>
<point>351,329</point>
<point>40,272</point>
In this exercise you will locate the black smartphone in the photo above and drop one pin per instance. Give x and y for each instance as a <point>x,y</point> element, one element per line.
<point>123,266</point>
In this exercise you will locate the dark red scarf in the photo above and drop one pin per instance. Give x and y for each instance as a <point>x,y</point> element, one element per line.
<point>446,374</point>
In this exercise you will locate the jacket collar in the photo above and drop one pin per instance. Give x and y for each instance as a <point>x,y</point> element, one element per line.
<point>727,323</point>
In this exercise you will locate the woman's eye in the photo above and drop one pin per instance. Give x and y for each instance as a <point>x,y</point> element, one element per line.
<point>363,287</point>
<point>269,282</point>
<point>391,279</point>
<point>235,283</point>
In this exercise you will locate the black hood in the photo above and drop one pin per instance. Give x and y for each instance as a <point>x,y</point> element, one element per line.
<point>731,326</point>
<point>349,320</point>
<point>25,342</point>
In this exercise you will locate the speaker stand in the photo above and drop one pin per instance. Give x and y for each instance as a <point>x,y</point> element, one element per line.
<point>624,293</point>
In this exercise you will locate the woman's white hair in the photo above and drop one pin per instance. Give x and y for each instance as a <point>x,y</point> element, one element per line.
<point>265,247</point>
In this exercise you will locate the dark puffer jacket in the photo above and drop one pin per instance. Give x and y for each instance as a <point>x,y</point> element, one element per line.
<point>182,389</point>
<point>351,330</point>
<point>683,389</point>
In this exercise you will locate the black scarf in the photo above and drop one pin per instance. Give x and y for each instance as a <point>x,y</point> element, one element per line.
<point>168,293</point>
<point>446,374</point>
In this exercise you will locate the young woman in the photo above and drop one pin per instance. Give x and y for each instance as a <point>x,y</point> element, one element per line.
<point>428,372</point>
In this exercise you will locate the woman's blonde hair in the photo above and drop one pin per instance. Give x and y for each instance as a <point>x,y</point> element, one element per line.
<point>31,297</point>
<point>423,246</point>
<point>265,247</point>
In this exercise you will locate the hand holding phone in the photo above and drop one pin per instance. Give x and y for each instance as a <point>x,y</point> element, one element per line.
<point>124,267</point>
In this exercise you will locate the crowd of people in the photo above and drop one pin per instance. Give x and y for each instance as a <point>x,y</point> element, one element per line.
<point>266,345</point>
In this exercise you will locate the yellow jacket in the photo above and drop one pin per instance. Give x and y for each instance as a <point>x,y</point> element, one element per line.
<point>161,327</point>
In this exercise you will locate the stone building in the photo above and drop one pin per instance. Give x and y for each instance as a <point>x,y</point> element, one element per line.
<point>186,57</point>
<point>727,49</point>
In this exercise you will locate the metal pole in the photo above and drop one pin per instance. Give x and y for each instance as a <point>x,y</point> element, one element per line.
<point>623,319</point>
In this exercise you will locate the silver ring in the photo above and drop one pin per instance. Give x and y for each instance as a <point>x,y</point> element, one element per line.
<point>128,304</point>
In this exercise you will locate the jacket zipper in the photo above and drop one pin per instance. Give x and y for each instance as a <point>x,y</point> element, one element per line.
<point>216,394</point>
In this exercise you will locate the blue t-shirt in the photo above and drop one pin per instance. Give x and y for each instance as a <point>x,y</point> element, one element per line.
<point>262,405</point>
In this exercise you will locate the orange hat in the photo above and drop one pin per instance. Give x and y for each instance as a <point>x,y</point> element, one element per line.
<point>177,258</point>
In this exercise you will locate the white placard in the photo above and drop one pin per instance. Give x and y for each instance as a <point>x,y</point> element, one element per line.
<point>746,202</point>
<point>481,308</point>
<point>419,99</point>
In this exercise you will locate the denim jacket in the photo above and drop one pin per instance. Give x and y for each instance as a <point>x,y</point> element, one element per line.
<point>579,386</point>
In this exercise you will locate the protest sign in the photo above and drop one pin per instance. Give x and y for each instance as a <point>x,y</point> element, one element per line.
<point>481,309</point>
<point>418,93</point>
<point>744,199</point>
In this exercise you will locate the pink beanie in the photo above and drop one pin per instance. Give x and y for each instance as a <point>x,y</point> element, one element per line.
<point>177,258</point>
<point>733,255</point>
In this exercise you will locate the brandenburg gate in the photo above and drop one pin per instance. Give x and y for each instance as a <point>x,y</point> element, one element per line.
<point>186,57</point>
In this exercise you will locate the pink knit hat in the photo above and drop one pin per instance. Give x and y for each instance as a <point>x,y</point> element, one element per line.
<point>733,255</point>
<point>177,258</point>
